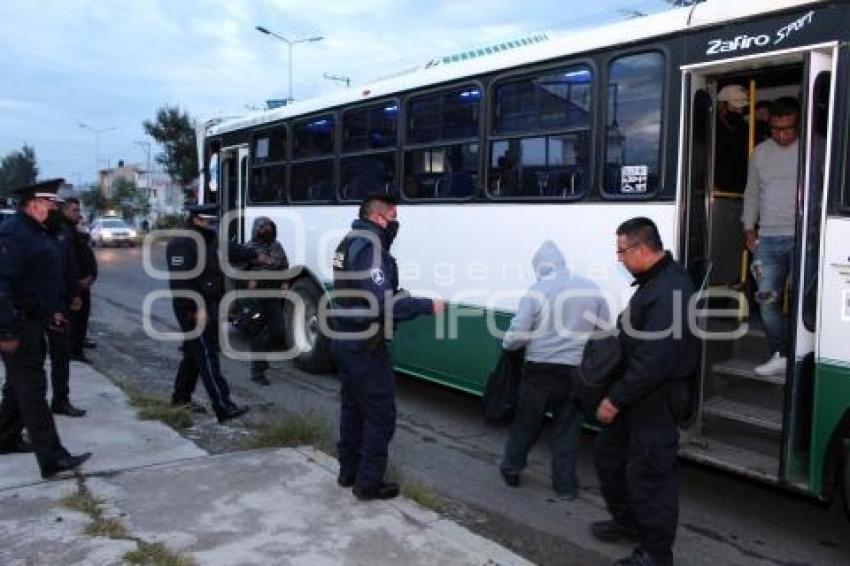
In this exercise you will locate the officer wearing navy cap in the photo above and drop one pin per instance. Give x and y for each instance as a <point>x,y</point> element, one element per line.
<point>200,355</point>
<point>366,272</point>
<point>31,291</point>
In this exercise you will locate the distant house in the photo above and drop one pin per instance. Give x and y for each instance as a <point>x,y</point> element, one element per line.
<point>164,194</point>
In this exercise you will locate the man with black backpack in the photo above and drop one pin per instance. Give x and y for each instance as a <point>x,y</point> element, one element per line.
<point>553,321</point>
<point>637,446</point>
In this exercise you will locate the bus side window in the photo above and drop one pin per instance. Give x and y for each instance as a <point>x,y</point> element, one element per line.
<point>633,125</point>
<point>449,122</point>
<point>545,121</point>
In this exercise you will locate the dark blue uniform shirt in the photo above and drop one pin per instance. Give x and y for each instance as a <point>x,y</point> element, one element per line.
<point>378,278</point>
<point>182,254</point>
<point>31,283</point>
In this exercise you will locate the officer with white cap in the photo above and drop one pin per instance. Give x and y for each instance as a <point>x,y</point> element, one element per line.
<point>31,291</point>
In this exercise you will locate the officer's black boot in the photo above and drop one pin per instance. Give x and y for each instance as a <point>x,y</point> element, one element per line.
<point>67,409</point>
<point>384,491</point>
<point>231,412</point>
<point>63,464</point>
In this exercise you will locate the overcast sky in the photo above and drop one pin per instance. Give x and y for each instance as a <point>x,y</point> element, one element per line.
<point>112,63</point>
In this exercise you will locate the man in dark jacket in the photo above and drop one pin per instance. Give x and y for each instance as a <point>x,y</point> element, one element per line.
<point>367,275</point>
<point>637,446</point>
<point>200,353</point>
<point>86,275</point>
<point>31,290</point>
<point>58,344</point>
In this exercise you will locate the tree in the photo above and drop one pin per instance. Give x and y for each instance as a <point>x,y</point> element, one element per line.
<point>127,197</point>
<point>680,3</point>
<point>94,201</point>
<point>18,169</point>
<point>174,130</point>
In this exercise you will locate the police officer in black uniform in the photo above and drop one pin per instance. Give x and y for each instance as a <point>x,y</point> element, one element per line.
<point>30,304</point>
<point>200,355</point>
<point>86,275</point>
<point>363,265</point>
<point>637,446</point>
<point>58,342</point>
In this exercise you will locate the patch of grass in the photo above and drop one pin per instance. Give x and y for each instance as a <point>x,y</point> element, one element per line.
<point>83,502</point>
<point>155,408</point>
<point>106,527</point>
<point>292,430</point>
<point>152,407</point>
<point>156,554</point>
<point>145,554</point>
<point>423,495</point>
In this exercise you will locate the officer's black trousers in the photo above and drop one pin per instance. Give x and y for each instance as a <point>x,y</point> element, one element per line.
<point>636,463</point>
<point>60,364</point>
<point>200,358</point>
<point>79,324</point>
<point>367,411</point>
<point>24,403</point>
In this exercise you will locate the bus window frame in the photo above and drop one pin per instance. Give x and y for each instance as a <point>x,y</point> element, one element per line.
<point>209,143</point>
<point>660,192</point>
<point>365,106</point>
<point>527,71</point>
<point>838,201</point>
<point>342,154</point>
<point>333,156</point>
<point>253,165</point>
<point>394,188</point>
<point>404,146</point>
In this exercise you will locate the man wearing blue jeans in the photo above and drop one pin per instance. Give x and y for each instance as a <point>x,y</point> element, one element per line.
<point>553,321</point>
<point>770,201</point>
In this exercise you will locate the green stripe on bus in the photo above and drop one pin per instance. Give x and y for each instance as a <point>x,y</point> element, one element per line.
<point>831,399</point>
<point>456,349</point>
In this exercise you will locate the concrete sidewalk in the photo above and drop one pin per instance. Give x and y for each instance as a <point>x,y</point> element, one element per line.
<point>278,506</point>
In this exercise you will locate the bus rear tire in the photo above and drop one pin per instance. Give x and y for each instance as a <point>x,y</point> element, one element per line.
<point>304,333</point>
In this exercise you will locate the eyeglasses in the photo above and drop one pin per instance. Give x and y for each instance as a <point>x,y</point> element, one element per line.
<point>621,251</point>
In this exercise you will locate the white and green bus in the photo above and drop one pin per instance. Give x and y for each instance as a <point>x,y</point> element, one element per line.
<point>494,150</point>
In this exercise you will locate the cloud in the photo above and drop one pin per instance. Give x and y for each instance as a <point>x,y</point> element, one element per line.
<point>112,64</point>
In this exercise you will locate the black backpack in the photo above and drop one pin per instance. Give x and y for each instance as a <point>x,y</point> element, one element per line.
<point>601,364</point>
<point>502,390</point>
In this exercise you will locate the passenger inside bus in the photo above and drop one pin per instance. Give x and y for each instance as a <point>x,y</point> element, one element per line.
<point>731,135</point>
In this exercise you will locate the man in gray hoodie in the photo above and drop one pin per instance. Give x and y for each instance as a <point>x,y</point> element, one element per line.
<point>554,319</point>
<point>264,241</point>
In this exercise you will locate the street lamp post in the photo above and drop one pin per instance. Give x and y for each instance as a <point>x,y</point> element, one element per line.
<point>289,44</point>
<point>146,145</point>
<point>96,132</point>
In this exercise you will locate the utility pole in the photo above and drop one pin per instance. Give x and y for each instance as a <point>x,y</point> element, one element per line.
<point>96,132</point>
<point>146,145</point>
<point>289,44</point>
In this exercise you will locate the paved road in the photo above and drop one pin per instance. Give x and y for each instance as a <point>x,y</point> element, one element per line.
<point>442,442</point>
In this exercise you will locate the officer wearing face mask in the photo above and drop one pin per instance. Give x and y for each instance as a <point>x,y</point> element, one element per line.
<point>264,241</point>
<point>369,301</point>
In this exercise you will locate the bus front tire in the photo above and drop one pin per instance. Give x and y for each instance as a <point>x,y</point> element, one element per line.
<point>303,330</point>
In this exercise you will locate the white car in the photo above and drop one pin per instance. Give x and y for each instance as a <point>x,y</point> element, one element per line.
<point>112,232</point>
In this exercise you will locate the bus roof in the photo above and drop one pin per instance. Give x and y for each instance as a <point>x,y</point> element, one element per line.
<point>668,22</point>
